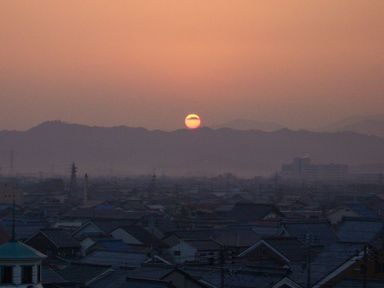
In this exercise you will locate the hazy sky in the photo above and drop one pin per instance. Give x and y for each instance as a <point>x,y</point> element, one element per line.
<point>150,62</point>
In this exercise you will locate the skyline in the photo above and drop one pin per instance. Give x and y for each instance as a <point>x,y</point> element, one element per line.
<point>149,63</point>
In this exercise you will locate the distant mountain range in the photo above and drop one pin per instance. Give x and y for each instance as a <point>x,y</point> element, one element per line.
<point>370,125</point>
<point>247,124</point>
<point>205,151</point>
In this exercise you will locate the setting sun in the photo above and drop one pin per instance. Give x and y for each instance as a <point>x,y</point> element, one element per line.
<point>192,121</point>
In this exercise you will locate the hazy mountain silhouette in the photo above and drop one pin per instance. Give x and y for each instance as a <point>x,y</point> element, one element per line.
<point>246,124</point>
<point>370,125</point>
<point>54,145</point>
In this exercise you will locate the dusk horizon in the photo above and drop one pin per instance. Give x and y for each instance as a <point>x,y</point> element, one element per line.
<point>192,144</point>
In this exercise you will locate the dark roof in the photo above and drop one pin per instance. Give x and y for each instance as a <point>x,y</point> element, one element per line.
<point>107,226</point>
<point>50,276</point>
<point>244,279</point>
<point>111,214</point>
<point>356,283</point>
<point>290,247</point>
<point>115,259</point>
<point>203,245</point>
<point>144,283</point>
<point>236,237</point>
<point>361,210</point>
<point>82,273</point>
<point>142,235</point>
<point>359,230</point>
<point>14,250</point>
<point>232,236</point>
<point>316,232</point>
<point>118,277</point>
<point>195,234</point>
<point>113,245</point>
<point>60,238</point>
<point>325,262</point>
<point>249,212</point>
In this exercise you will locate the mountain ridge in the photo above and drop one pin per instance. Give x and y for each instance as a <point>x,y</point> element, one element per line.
<point>204,151</point>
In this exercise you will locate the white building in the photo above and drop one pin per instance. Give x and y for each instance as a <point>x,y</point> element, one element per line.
<point>20,266</point>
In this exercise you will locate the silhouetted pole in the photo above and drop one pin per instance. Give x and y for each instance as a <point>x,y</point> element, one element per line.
<point>365,261</point>
<point>308,260</point>
<point>221,266</point>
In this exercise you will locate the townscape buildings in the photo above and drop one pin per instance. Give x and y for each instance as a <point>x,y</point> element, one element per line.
<point>156,231</point>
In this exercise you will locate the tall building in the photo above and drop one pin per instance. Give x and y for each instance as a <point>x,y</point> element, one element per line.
<point>9,192</point>
<point>302,168</point>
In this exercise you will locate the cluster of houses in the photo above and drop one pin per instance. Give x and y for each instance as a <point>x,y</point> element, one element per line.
<point>230,242</point>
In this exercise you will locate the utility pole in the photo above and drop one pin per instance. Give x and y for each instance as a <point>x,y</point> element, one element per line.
<point>308,259</point>
<point>86,189</point>
<point>365,266</point>
<point>222,266</point>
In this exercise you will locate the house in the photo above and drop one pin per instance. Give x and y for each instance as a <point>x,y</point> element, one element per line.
<point>336,215</point>
<point>197,251</point>
<point>136,235</point>
<point>99,228</point>
<point>20,265</point>
<point>359,230</point>
<point>180,278</point>
<point>52,279</point>
<point>82,275</point>
<point>212,277</point>
<point>313,232</point>
<point>55,243</point>
<point>118,277</point>
<point>245,212</point>
<point>115,259</point>
<point>336,265</point>
<point>274,253</point>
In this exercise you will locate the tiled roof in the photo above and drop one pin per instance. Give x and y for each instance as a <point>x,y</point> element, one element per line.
<point>60,238</point>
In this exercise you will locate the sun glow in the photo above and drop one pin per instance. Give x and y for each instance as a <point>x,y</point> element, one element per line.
<point>192,121</point>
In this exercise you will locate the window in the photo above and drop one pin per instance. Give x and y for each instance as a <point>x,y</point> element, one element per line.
<point>26,276</point>
<point>38,273</point>
<point>6,274</point>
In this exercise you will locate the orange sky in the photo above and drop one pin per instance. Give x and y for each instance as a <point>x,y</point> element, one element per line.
<point>150,62</point>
